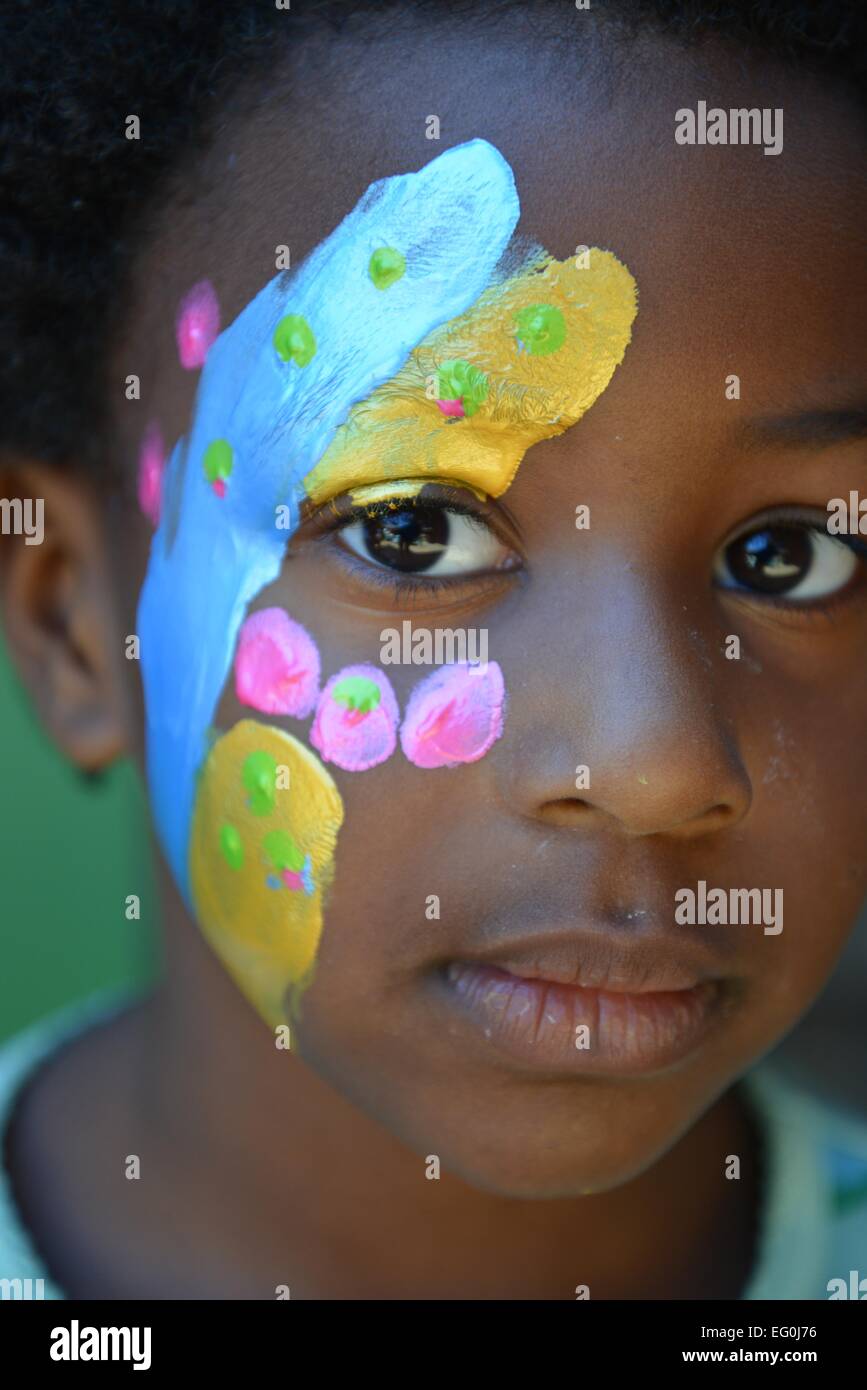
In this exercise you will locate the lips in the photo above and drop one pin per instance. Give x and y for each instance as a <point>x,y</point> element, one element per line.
<point>587,1004</point>
<point>598,960</point>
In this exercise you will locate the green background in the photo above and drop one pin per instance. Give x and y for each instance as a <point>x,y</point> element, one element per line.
<point>70,853</point>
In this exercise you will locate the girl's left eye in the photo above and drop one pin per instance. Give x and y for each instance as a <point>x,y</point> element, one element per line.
<point>424,538</point>
<point>797,561</point>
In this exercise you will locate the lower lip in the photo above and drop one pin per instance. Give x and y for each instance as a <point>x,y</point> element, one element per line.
<point>541,1024</point>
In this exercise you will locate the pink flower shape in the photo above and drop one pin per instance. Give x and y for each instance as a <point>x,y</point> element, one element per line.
<point>197,324</point>
<point>455,408</point>
<point>276,665</point>
<point>454,715</point>
<point>356,719</point>
<point>151,467</point>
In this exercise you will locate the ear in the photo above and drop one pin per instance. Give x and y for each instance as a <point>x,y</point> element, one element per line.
<point>59,619</point>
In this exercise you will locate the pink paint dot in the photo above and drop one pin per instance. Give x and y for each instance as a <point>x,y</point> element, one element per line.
<point>293,881</point>
<point>219,486</point>
<point>454,715</point>
<point>197,324</point>
<point>356,719</point>
<point>452,408</point>
<point>151,467</point>
<point>276,665</point>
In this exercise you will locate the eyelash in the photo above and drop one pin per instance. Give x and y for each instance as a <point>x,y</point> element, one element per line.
<point>326,522</point>
<point>817,610</point>
<point>792,517</point>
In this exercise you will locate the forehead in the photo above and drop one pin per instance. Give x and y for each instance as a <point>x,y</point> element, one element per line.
<point>732,249</point>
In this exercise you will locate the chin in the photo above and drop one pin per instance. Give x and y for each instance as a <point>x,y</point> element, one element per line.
<point>543,1171</point>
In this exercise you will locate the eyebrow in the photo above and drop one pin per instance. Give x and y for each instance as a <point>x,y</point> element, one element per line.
<point>817,427</point>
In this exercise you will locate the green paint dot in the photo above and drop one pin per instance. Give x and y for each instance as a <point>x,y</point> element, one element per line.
<point>259,776</point>
<point>283,852</point>
<point>386,267</point>
<point>541,328</point>
<point>294,340</point>
<point>358,693</point>
<point>459,380</point>
<point>230,846</point>
<point>218,460</point>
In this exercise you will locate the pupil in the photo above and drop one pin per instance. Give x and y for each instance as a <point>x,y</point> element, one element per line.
<point>410,540</point>
<point>772,560</point>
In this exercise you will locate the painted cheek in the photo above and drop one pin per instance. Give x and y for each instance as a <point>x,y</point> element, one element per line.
<point>454,716</point>
<point>277,665</point>
<point>261,859</point>
<point>198,324</point>
<point>356,719</point>
<point>151,467</point>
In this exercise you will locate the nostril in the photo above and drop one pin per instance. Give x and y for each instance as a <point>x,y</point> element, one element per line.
<point>722,811</point>
<point>565,810</point>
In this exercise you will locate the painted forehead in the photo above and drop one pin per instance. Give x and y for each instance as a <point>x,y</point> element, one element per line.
<point>524,363</point>
<point>420,313</point>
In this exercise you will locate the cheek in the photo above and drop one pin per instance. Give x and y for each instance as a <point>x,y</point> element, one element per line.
<point>262,845</point>
<point>812,803</point>
<point>268,810</point>
<point>806,835</point>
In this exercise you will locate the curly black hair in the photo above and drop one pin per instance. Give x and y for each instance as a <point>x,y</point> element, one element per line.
<point>74,204</point>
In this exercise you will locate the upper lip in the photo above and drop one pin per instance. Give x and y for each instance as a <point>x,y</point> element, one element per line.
<point>600,960</point>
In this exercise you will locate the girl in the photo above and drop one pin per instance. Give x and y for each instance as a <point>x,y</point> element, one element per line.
<point>337,325</point>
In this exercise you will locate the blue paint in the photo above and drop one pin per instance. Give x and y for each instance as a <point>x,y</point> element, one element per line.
<point>307,876</point>
<point>453,220</point>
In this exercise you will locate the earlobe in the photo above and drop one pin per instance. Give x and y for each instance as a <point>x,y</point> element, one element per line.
<point>58,616</point>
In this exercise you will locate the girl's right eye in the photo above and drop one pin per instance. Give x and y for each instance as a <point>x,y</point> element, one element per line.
<point>424,538</point>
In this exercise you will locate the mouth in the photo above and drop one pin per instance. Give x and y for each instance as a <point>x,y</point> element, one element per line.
<point>583,1005</point>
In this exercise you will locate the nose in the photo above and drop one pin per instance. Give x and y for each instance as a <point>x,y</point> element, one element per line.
<point>633,693</point>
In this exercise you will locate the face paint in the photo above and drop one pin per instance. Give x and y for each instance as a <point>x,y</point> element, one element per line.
<point>276,665</point>
<point>386,492</point>
<point>454,219</point>
<point>356,719</point>
<point>522,365</point>
<point>454,715</point>
<point>259,780</point>
<point>265,935</point>
<point>314,362</point>
<point>462,389</point>
<point>197,325</point>
<point>218,463</point>
<point>387,265</point>
<point>151,466</point>
<point>294,340</point>
<point>213,553</point>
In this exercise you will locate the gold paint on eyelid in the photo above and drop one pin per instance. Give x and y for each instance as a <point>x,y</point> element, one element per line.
<point>398,430</point>
<point>410,487</point>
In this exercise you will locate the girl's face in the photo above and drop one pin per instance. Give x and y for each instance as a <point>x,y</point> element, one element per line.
<point>459,889</point>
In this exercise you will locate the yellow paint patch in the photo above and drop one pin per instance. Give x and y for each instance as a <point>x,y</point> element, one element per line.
<point>398,432</point>
<point>266,937</point>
